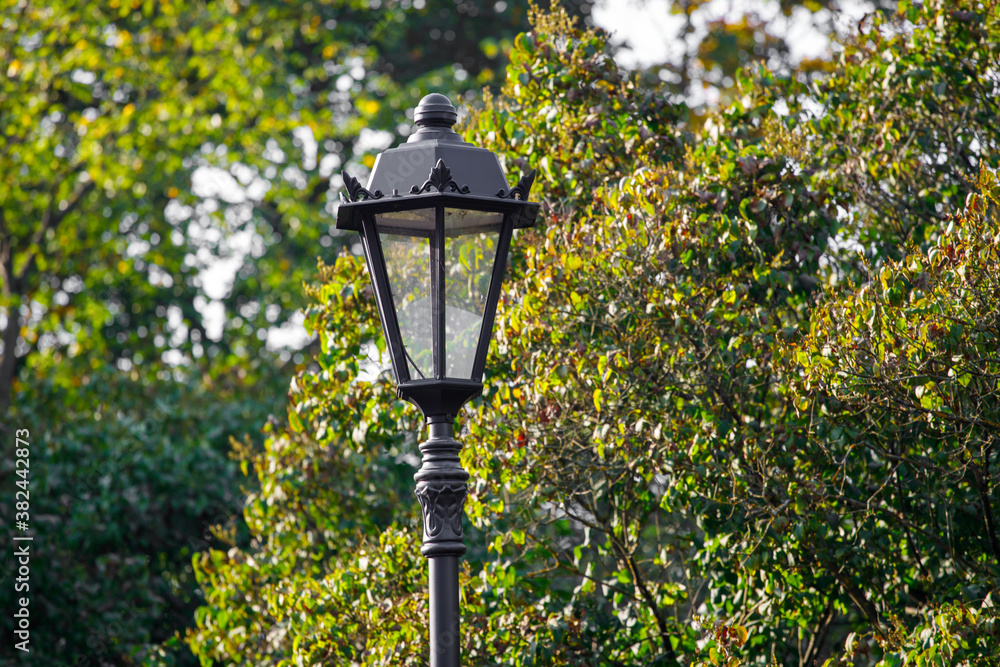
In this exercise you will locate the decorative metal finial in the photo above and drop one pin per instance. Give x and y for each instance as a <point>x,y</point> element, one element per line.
<point>519,191</point>
<point>435,110</point>
<point>441,179</point>
<point>434,116</point>
<point>356,191</point>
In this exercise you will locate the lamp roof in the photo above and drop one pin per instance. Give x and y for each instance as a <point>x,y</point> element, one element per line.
<point>408,164</point>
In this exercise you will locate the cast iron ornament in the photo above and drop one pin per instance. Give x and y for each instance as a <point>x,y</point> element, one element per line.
<point>519,191</point>
<point>356,191</point>
<point>441,179</point>
<point>442,504</point>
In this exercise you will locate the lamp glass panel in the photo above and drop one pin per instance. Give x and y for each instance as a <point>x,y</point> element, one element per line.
<point>405,238</point>
<point>469,252</point>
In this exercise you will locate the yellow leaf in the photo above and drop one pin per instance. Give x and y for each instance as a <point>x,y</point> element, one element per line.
<point>573,262</point>
<point>128,110</point>
<point>14,68</point>
<point>294,421</point>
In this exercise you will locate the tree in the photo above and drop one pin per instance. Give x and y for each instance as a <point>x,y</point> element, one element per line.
<point>711,43</point>
<point>658,465</point>
<point>913,105</point>
<point>898,378</point>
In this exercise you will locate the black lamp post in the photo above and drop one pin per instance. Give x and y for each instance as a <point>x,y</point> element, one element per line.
<point>436,249</point>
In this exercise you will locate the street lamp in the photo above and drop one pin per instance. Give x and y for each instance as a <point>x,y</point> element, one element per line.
<point>436,250</point>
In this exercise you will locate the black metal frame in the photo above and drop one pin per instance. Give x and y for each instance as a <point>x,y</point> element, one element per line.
<point>440,394</point>
<point>438,340</point>
<point>350,214</point>
<point>383,297</point>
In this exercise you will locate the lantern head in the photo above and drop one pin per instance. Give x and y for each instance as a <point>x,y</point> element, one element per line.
<point>436,221</point>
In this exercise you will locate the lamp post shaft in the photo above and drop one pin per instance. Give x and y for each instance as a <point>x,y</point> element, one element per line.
<point>441,489</point>
<point>445,632</point>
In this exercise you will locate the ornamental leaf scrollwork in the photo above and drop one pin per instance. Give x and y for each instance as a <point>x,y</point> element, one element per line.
<point>440,178</point>
<point>519,191</point>
<point>356,191</point>
<point>441,505</point>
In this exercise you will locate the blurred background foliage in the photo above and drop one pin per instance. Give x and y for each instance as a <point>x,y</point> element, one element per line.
<point>760,428</point>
